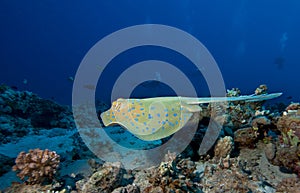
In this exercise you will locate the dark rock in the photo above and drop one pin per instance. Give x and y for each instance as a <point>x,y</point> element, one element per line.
<point>6,164</point>
<point>270,151</point>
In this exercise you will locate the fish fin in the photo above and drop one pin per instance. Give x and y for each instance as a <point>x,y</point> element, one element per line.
<point>246,98</point>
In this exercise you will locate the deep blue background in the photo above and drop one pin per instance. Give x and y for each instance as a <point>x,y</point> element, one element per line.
<point>44,41</point>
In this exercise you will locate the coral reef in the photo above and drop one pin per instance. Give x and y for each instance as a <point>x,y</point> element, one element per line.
<point>257,151</point>
<point>288,157</point>
<point>128,189</point>
<point>246,137</point>
<point>37,166</point>
<point>234,92</point>
<point>289,125</point>
<point>289,185</point>
<point>21,110</point>
<point>105,180</point>
<point>259,129</point>
<point>286,150</point>
<point>239,113</point>
<point>178,175</point>
<point>262,89</point>
<point>36,188</point>
<point>217,179</point>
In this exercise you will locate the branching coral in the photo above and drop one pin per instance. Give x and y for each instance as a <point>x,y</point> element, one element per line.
<point>223,147</point>
<point>37,166</point>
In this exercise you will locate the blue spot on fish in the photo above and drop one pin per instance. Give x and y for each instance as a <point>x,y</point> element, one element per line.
<point>175,114</point>
<point>142,109</point>
<point>150,116</point>
<point>136,119</point>
<point>167,115</point>
<point>158,114</point>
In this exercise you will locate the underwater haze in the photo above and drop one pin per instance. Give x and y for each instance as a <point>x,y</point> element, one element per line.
<point>253,42</point>
<point>149,96</point>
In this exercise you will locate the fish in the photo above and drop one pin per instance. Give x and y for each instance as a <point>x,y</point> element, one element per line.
<point>71,78</point>
<point>159,117</point>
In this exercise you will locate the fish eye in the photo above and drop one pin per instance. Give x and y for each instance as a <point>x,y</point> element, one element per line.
<point>114,103</point>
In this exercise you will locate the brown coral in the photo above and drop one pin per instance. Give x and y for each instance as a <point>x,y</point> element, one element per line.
<point>288,148</point>
<point>246,137</point>
<point>37,166</point>
<point>289,126</point>
<point>223,147</point>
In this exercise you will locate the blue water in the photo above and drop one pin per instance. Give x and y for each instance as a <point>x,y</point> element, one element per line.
<point>253,42</point>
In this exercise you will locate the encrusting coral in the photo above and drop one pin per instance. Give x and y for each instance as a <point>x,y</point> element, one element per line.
<point>37,166</point>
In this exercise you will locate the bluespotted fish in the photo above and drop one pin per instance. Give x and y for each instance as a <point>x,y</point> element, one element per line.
<point>159,117</point>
